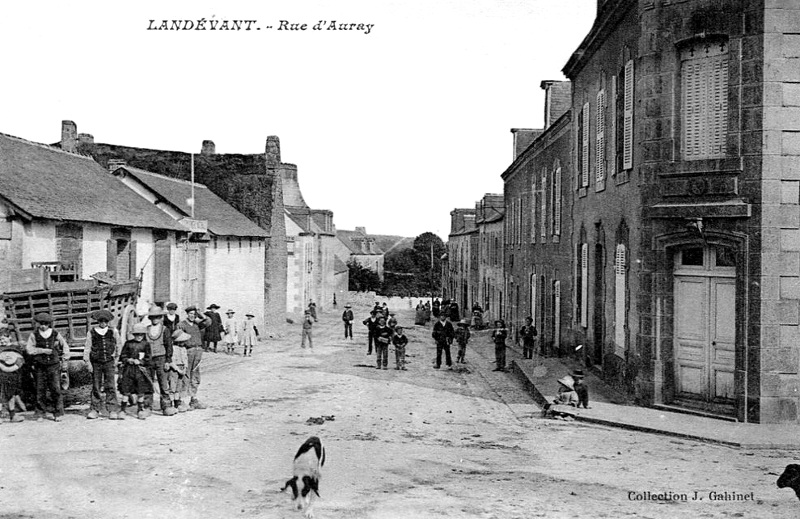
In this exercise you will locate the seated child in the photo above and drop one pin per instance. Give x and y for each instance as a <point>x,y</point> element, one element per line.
<point>566,399</point>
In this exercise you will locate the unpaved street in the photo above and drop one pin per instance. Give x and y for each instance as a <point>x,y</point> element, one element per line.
<point>420,443</point>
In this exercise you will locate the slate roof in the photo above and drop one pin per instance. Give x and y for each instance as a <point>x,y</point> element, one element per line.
<point>222,218</point>
<point>388,243</point>
<point>346,237</point>
<point>49,183</point>
<point>339,266</point>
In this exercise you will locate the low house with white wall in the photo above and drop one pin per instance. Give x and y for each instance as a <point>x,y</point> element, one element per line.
<point>222,261</point>
<point>64,210</point>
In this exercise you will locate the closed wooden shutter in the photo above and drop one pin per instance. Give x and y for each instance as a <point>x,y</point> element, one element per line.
<point>544,205</point>
<point>132,260</point>
<point>534,208</point>
<point>612,133</point>
<point>585,146</point>
<point>579,149</point>
<point>627,132</point>
<point>600,141</point>
<point>111,256</point>
<point>704,101</point>
<point>585,285</point>
<point>557,202</point>
<point>619,300</point>
<point>162,265</point>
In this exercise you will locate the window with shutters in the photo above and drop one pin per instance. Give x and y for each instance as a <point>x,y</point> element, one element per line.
<point>557,315</point>
<point>704,100</point>
<point>600,142</point>
<point>534,208</point>
<point>544,205</point>
<point>162,259</point>
<point>620,299</point>
<point>69,249</point>
<point>557,202</point>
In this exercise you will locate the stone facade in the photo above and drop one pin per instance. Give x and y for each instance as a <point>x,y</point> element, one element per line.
<point>461,280</point>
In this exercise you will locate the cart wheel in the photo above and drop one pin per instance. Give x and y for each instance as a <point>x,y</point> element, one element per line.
<point>127,322</point>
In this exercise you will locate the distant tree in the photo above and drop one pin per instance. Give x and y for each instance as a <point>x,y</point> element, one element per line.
<point>408,271</point>
<point>362,279</point>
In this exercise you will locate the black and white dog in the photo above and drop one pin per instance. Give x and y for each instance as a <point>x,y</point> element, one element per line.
<point>304,484</point>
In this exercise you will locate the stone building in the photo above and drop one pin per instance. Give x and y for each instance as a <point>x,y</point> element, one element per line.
<point>221,262</point>
<point>460,283</point>
<point>489,215</point>
<point>361,247</point>
<point>686,193</point>
<point>251,183</point>
<point>538,232</point>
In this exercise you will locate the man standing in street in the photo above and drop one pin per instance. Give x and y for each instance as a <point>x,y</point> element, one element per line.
<point>308,322</point>
<point>443,334</point>
<point>371,323</point>
<point>194,326</point>
<point>160,340</point>
<point>213,332</point>
<point>383,336</point>
<point>100,353</point>
<point>50,354</point>
<point>347,317</point>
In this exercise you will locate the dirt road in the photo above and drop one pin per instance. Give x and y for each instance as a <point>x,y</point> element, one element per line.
<point>401,444</point>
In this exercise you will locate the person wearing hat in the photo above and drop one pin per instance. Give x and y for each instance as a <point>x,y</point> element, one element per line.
<point>399,340</point>
<point>443,334</point>
<point>462,338</point>
<point>49,353</point>
<point>308,322</point>
<point>231,329</point>
<point>312,310</point>
<point>347,317</point>
<point>249,334</point>
<point>581,389</point>
<point>419,316</point>
<point>171,318</point>
<point>100,353</point>
<point>213,332</point>
<point>178,379</point>
<point>11,362</point>
<point>160,340</point>
<point>527,334</point>
<point>499,335</point>
<point>566,391</point>
<point>383,337</point>
<point>371,323</point>
<point>194,325</point>
<point>136,380</point>
<point>391,322</point>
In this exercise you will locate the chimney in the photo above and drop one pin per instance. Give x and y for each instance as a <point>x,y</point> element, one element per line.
<point>523,137</point>
<point>362,230</point>
<point>69,136</point>
<point>86,139</point>
<point>557,100</point>
<point>208,148</point>
<point>273,151</point>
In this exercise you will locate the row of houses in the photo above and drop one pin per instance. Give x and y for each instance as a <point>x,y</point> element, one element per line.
<point>228,229</point>
<point>655,220</point>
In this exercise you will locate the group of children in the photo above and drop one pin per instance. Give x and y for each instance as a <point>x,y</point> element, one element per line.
<point>239,333</point>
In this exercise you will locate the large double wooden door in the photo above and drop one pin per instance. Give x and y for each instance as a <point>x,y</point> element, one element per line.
<point>705,328</point>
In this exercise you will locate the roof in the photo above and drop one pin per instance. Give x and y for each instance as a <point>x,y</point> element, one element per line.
<point>348,237</point>
<point>339,266</point>
<point>222,218</point>
<point>49,183</point>
<point>392,243</point>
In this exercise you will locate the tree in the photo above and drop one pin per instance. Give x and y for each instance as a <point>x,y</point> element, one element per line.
<point>362,279</point>
<point>408,271</point>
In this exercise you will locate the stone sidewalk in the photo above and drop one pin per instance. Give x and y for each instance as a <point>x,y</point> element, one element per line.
<point>611,408</point>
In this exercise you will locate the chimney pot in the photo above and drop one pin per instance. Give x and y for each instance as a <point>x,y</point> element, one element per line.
<point>273,151</point>
<point>208,148</point>
<point>69,136</point>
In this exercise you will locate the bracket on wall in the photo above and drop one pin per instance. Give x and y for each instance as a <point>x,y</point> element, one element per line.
<point>696,225</point>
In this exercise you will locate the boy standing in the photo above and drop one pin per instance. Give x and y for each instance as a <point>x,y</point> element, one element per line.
<point>307,324</point>
<point>400,340</point>
<point>178,380</point>
<point>135,359</point>
<point>581,389</point>
<point>347,317</point>
<point>194,326</point>
<point>443,334</point>
<point>383,336</point>
<point>50,354</point>
<point>100,353</point>
<point>462,338</point>
<point>499,335</point>
<point>372,324</point>
<point>160,340</point>
<point>527,335</point>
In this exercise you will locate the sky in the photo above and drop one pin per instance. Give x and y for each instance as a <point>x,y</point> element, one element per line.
<point>391,126</point>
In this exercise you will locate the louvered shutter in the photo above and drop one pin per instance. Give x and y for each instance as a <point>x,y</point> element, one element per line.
<point>627,136</point>
<point>619,300</point>
<point>132,260</point>
<point>612,134</point>
<point>704,100</point>
<point>579,154</point>
<point>111,256</point>
<point>161,262</point>
<point>557,315</point>
<point>544,205</point>
<point>585,146</point>
<point>600,142</point>
<point>557,202</point>
<point>584,285</point>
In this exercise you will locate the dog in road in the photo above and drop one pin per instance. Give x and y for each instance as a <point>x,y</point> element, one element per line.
<point>791,478</point>
<point>304,484</point>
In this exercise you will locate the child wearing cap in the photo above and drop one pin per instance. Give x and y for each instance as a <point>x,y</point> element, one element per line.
<point>581,389</point>
<point>100,353</point>
<point>347,317</point>
<point>499,335</point>
<point>400,340</point>
<point>249,334</point>
<point>231,329</point>
<point>135,360</point>
<point>462,338</point>
<point>11,361</point>
<point>50,354</point>
<point>178,382</point>
<point>306,332</point>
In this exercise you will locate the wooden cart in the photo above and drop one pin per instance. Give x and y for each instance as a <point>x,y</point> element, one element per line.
<point>71,304</point>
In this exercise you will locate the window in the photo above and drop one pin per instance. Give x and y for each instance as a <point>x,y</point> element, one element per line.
<point>704,100</point>
<point>600,142</point>
<point>534,207</point>
<point>544,205</point>
<point>584,153</point>
<point>557,202</point>
<point>620,299</point>
<point>627,123</point>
